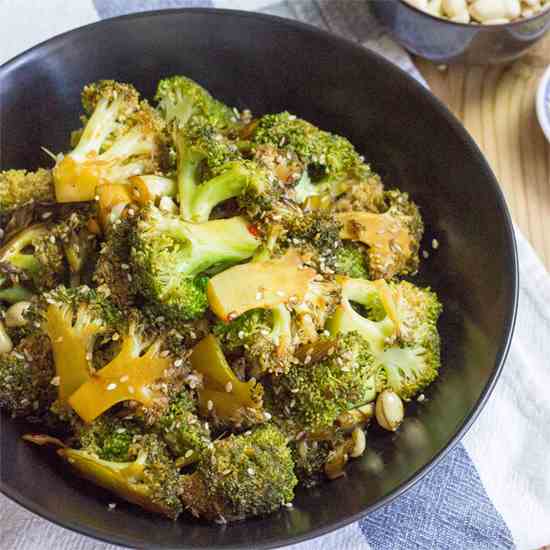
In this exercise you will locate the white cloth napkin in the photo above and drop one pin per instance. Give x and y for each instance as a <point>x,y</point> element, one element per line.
<point>493,494</point>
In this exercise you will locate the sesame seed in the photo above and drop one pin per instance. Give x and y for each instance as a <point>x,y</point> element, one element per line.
<point>55,381</point>
<point>52,239</point>
<point>125,266</point>
<point>307,359</point>
<point>267,415</point>
<point>165,353</point>
<point>250,471</point>
<point>111,386</point>
<point>421,398</point>
<point>111,505</point>
<point>59,340</point>
<point>232,316</point>
<point>280,293</point>
<point>209,405</point>
<point>131,389</point>
<point>259,295</point>
<point>124,378</point>
<point>229,387</point>
<point>188,453</point>
<point>435,244</point>
<point>288,505</point>
<point>425,253</point>
<point>46,215</point>
<point>96,198</point>
<point>241,334</point>
<point>178,362</point>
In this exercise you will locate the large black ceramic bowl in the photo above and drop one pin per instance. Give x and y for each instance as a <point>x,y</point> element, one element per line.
<point>444,41</point>
<point>270,64</point>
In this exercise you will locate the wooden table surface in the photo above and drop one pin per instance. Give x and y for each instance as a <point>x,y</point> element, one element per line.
<point>497,106</point>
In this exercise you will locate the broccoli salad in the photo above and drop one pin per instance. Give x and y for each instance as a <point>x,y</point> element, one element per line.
<point>203,309</point>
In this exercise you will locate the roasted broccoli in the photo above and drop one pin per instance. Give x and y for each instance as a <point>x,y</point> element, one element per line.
<point>332,165</point>
<point>121,138</point>
<point>149,479</point>
<point>211,171</point>
<point>351,260</point>
<point>186,435</point>
<point>327,383</point>
<point>412,362</point>
<point>242,476</point>
<point>19,188</point>
<point>393,237</point>
<point>27,378</point>
<point>170,258</point>
<point>34,257</point>
<point>208,306</point>
<point>263,336</point>
<point>399,321</point>
<point>182,100</point>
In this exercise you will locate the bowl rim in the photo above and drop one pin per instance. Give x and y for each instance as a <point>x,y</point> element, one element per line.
<point>491,181</point>
<point>475,25</point>
<point>543,98</point>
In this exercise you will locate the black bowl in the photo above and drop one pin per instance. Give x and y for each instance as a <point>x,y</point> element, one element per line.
<point>444,41</point>
<point>270,64</point>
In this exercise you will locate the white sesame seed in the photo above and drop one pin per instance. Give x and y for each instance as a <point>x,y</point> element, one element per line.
<point>259,295</point>
<point>124,378</point>
<point>289,505</point>
<point>46,215</point>
<point>250,471</point>
<point>112,505</point>
<point>229,387</point>
<point>111,386</point>
<point>267,415</point>
<point>241,334</point>
<point>178,362</point>
<point>421,398</point>
<point>52,239</point>
<point>55,381</point>
<point>188,453</point>
<point>96,197</point>
<point>115,336</point>
<point>425,253</point>
<point>280,293</point>
<point>435,244</point>
<point>209,405</point>
<point>125,266</point>
<point>131,389</point>
<point>165,353</point>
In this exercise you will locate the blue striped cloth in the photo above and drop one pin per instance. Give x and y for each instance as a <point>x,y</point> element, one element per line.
<point>488,492</point>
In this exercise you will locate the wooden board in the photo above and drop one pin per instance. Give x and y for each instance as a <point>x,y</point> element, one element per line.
<point>497,106</point>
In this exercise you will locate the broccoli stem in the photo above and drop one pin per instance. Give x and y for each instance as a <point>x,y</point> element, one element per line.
<point>216,190</point>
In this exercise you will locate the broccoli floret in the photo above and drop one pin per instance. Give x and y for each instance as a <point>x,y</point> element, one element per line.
<point>352,261</point>
<point>186,436</point>
<point>393,237</point>
<point>121,138</point>
<point>182,100</point>
<point>78,237</point>
<point>151,480</point>
<point>211,171</point>
<point>19,188</point>
<point>314,393</point>
<point>377,326</point>
<point>242,476</point>
<point>26,376</point>
<point>170,258</point>
<point>366,194</point>
<point>332,165</point>
<point>112,273</point>
<point>263,336</point>
<point>34,256</point>
<point>412,362</point>
<point>399,320</point>
<point>109,438</point>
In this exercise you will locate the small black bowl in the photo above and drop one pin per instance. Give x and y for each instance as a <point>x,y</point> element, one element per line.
<point>443,41</point>
<point>270,64</point>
